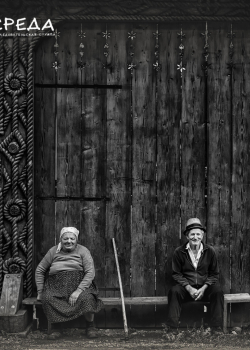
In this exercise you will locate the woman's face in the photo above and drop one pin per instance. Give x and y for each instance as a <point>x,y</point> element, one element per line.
<point>68,241</point>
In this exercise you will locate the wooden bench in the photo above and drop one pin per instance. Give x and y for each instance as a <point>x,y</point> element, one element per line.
<point>107,302</point>
<point>230,299</point>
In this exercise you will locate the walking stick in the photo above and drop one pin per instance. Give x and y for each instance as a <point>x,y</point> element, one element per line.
<point>121,291</point>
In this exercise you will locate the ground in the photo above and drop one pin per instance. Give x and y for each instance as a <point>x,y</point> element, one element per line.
<point>75,339</point>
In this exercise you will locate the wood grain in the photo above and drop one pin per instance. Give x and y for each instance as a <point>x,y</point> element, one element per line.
<point>193,135</point>
<point>168,158</point>
<point>44,58</point>
<point>219,153</point>
<point>118,186</point>
<point>68,142</point>
<point>240,247</point>
<point>44,142</point>
<point>92,228</point>
<point>143,173</point>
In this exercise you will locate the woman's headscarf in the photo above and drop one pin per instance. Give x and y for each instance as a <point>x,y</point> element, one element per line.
<point>64,230</point>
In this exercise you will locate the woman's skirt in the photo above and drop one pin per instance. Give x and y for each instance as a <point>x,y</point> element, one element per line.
<point>57,290</point>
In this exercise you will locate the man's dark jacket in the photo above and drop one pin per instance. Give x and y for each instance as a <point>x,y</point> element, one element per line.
<point>184,273</point>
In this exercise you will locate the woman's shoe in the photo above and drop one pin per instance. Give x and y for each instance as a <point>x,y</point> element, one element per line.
<point>91,332</point>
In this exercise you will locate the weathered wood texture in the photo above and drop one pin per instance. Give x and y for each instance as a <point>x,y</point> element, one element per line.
<point>240,244</point>
<point>219,152</point>
<point>134,161</point>
<point>118,185</point>
<point>168,111</point>
<point>143,172</point>
<point>12,294</point>
<point>193,131</point>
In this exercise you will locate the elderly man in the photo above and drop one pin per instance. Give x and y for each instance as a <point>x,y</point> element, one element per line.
<point>195,269</point>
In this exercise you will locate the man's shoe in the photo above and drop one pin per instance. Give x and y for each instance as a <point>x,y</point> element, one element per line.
<point>91,332</point>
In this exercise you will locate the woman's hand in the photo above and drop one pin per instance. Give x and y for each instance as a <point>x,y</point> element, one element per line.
<point>39,296</point>
<point>74,296</point>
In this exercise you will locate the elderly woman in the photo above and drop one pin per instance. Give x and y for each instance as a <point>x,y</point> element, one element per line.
<point>69,290</point>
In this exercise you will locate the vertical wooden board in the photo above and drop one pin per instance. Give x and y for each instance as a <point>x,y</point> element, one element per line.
<point>94,111</point>
<point>68,54</point>
<point>94,59</point>
<point>143,175</point>
<point>93,161</point>
<point>168,158</point>
<point>68,214</point>
<point>11,295</point>
<point>240,244</point>
<point>44,229</point>
<point>219,153</point>
<point>193,135</point>
<point>92,228</point>
<point>69,142</point>
<point>44,59</point>
<point>118,187</point>
<point>44,142</point>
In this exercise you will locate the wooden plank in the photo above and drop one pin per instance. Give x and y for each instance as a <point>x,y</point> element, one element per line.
<point>44,142</point>
<point>240,245</point>
<point>94,114</point>
<point>94,42</point>
<point>69,142</point>
<point>116,301</point>
<point>68,214</point>
<point>118,185</point>
<point>44,229</point>
<point>237,298</point>
<point>12,294</point>
<point>68,54</point>
<point>92,226</point>
<point>44,58</point>
<point>168,158</point>
<point>93,162</point>
<point>219,153</point>
<point>143,175</point>
<point>193,134</point>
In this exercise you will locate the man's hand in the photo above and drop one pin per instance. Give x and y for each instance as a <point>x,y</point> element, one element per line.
<point>39,296</point>
<point>200,292</point>
<point>192,291</point>
<point>74,296</point>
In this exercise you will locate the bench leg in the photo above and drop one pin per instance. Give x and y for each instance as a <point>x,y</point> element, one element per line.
<point>49,327</point>
<point>225,317</point>
<point>35,319</point>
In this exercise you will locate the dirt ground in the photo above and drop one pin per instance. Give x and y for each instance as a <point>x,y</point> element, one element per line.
<point>75,339</point>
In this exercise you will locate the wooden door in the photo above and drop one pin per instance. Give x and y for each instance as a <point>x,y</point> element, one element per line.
<point>139,129</point>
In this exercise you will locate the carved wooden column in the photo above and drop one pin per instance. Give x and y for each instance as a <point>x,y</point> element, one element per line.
<point>16,158</point>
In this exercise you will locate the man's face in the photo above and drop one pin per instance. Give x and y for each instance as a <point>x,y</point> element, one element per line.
<point>195,236</point>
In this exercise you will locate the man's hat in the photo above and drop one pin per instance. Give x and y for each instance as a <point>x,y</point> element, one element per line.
<point>193,223</point>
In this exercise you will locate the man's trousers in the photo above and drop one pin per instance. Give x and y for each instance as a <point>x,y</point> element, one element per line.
<point>178,295</point>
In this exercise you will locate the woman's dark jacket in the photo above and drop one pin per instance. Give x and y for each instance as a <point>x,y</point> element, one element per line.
<point>184,272</point>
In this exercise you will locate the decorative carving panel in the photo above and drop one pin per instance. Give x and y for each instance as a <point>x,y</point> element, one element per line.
<point>16,153</point>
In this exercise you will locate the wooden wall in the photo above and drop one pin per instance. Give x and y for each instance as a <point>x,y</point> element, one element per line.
<point>133,156</point>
